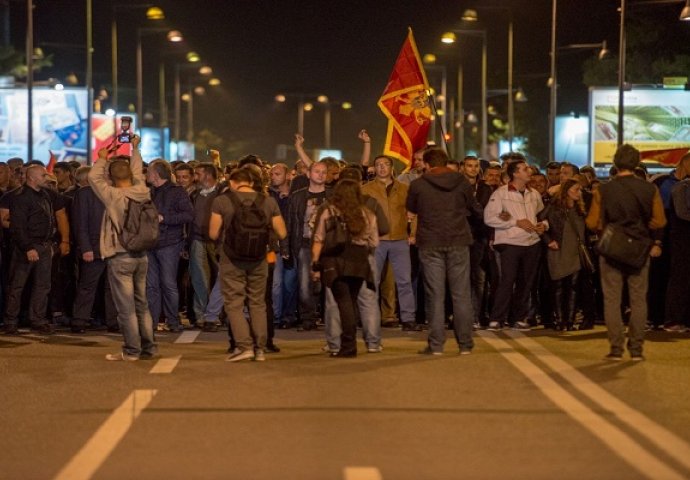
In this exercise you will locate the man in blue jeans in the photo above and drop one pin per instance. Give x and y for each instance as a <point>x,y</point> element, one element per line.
<point>174,211</point>
<point>116,181</point>
<point>442,200</point>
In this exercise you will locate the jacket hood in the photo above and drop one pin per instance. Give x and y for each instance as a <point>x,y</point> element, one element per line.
<point>138,192</point>
<point>443,179</point>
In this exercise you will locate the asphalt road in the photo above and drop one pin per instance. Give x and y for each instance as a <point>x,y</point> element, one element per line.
<point>537,406</point>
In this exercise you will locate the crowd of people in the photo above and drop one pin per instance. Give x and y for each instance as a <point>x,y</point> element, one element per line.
<point>447,244</point>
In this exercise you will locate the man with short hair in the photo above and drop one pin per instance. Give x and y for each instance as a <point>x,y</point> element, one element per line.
<point>184,176</point>
<point>65,177</point>
<point>492,176</point>
<point>34,213</point>
<point>244,281</point>
<point>512,212</point>
<point>553,173</point>
<point>174,212</point>
<point>117,182</point>
<point>634,206</point>
<point>442,200</point>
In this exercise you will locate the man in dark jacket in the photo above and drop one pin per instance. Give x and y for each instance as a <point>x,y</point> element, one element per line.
<point>87,216</point>
<point>174,211</point>
<point>442,200</point>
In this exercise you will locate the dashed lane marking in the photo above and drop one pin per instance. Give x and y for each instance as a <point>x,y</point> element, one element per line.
<point>617,440</point>
<point>102,443</point>
<point>166,365</point>
<point>362,473</point>
<point>188,336</point>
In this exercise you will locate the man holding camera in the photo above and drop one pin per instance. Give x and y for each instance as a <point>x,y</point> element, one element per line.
<point>116,181</point>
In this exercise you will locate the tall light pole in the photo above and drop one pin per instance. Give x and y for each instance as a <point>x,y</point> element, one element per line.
<point>470,15</point>
<point>30,77</point>
<point>429,61</point>
<point>450,37</point>
<point>89,76</point>
<point>554,83</point>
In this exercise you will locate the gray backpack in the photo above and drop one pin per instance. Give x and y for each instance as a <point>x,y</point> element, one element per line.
<point>140,228</point>
<point>680,196</point>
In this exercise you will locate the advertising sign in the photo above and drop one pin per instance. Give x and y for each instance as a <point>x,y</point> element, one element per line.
<point>58,124</point>
<point>104,127</point>
<point>155,143</point>
<point>656,121</point>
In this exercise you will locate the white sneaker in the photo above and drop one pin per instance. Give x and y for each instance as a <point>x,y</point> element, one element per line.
<point>494,326</point>
<point>375,349</point>
<point>326,348</point>
<point>259,355</point>
<point>120,357</point>
<point>241,355</point>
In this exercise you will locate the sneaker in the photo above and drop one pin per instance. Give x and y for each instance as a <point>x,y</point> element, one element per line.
<point>327,349</point>
<point>637,357</point>
<point>429,351</point>
<point>45,329</point>
<point>522,326</point>
<point>411,327</point>
<point>259,355</point>
<point>240,355</point>
<point>675,328</point>
<point>120,357</point>
<point>209,327</point>
<point>614,357</point>
<point>494,326</point>
<point>375,349</point>
<point>465,351</point>
<point>476,326</point>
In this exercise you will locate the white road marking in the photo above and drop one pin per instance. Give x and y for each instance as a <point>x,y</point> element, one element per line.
<point>664,439</point>
<point>618,441</point>
<point>166,365</point>
<point>362,473</point>
<point>188,336</point>
<point>101,444</point>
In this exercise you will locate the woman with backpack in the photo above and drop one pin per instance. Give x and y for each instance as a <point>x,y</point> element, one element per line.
<point>345,232</point>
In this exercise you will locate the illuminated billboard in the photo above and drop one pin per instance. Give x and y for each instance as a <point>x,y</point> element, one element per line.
<point>58,123</point>
<point>656,122</point>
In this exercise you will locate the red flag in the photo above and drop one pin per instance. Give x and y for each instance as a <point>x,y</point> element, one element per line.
<point>406,104</point>
<point>52,162</point>
<point>668,157</point>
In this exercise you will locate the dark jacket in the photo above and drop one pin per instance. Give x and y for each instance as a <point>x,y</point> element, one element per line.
<point>482,192</point>
<point>87,216</point>
<point>198,226</point>
<point>627,201</point>
<point>295,221</point>
<point>557,218</point>
<point>442,200</point>
<point>175,207</point>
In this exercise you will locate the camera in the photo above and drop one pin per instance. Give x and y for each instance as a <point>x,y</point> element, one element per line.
<point>125,136</point>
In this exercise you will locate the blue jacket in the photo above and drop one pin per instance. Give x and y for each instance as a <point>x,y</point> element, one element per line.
<point>175,207</point>
<point>87,216</point>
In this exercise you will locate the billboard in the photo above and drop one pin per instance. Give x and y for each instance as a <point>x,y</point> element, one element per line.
<point>103,129</point>
<point>656,122</point>
<point>155,143</point>
<point>572,140</point>
<point>58,123</point>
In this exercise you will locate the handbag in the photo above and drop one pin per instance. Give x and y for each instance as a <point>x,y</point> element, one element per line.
<point>585,255</point>
<point>337,235</point>
<point>616,245</point>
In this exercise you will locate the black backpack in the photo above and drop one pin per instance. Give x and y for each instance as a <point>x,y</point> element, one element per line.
<point>140,228</point>
<point>247,236</point>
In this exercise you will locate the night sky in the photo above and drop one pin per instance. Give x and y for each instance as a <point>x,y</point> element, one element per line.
<point>344,49</point>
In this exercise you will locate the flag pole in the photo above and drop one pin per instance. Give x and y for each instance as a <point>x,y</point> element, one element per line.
<point>440,123</point>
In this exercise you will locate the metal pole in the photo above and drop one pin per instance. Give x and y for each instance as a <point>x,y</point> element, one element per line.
<point>327,126</point>
<point>113,50</point>
<point>485,129</point>
<point>190,116</point>
<point>178,113</point>
<point>140,81</point>
<point>89,76</point>
<point>452,119</point>
<point>163,108</point>
<point>461,116</point>
<point>554,86</point>
<point>30,77</point>
<point>511,103</point>
<point>444,103</point>
<point>621,76</point>
<point>300,117</point>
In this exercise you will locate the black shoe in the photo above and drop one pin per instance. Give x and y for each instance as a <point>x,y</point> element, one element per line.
<point>209,327</point>
<point>342,354</point>
<point>74,329</point>
<point>271,348</point>
<point>586,326</point>
<point>11,330</point>
<point>411,327</point>
<point>45,329</point>
<point>614,357</point>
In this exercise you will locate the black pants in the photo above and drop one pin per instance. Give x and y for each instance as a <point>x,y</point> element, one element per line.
<point>519,266</point>
<point>90,274</point>
<point>345,291</point>
<point>20,272</point>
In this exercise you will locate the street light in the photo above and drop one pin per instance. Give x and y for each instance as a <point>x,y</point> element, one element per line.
<point>471,16</point>
<point>451,37</point>
<point>429,61</point>
<point>152,13</point>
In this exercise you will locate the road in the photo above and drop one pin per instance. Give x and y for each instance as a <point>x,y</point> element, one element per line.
<point>536,405</point>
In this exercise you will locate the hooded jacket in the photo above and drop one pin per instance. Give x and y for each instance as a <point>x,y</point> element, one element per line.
<point>442,200</point>
<point>115,200</point>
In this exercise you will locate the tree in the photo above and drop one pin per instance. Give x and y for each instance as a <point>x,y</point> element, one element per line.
<point>13,62</point>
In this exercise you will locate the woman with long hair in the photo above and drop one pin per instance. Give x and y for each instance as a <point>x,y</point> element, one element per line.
<point>340,260</point>
<point>565,214</point>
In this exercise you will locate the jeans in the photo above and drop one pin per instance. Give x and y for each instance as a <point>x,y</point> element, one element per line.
<point>478,276</point>
<point>161,284</point>
<point>89,276</point>
<point>240,285</point>
<point>284,291</point>
<point>307,299</point>
<point>454,265</point>
<point>20,273</point>
<point>518,271</point>
<point>369,313</point>
<point>398,254</point>
<point>127,276</point>
<point>202,266</point>
<point>215,304</point>
<point>612,284</point>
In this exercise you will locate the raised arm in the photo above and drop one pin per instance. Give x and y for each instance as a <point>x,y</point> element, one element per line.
<point>366,147</point>
<point>299,146</point>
